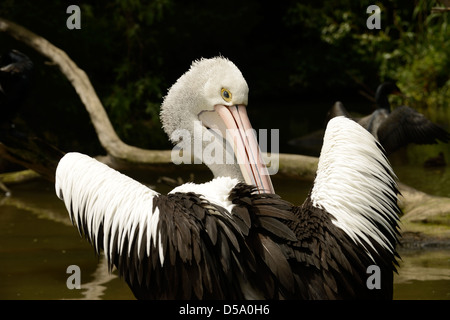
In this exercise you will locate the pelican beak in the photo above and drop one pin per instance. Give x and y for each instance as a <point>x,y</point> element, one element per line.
<point>242,137</point>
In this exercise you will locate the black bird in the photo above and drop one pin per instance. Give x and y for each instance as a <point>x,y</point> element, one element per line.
<point>15,81</point>
<point>398,128</point>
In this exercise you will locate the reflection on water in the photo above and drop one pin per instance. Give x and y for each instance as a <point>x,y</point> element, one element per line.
<point>435,181</point>
<point>38,243</point>
<point>423,274</point>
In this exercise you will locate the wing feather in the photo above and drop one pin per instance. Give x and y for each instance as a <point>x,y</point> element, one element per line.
<point>356,185</point>
<point>165,246</point>
<point>405,125</point>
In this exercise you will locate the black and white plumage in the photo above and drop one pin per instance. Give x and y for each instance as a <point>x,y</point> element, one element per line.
<point>187,244</point>
<point>224,239</point>
<point>398,128</point>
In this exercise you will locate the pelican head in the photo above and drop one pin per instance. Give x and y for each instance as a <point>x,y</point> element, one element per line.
<point>209,103</point>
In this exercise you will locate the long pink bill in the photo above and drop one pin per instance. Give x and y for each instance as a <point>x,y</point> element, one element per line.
<point>242,137</point>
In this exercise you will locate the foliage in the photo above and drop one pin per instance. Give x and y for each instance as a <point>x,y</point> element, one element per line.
<point>136,89</point>
<point>421,64</point>
<point>411,47</point>
<point>348,49</point>
<point>294,50</point>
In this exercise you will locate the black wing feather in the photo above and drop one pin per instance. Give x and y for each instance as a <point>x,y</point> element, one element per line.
<point>405,125</point>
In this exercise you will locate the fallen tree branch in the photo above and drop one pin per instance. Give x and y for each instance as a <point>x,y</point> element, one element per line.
<point>18,176</point>
<point>30,152</point>
<point>420,207</point>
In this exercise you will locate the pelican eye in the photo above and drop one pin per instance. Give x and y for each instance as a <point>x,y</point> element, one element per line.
<point>226,94</point>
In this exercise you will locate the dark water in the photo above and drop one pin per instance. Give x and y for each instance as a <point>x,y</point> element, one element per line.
<point>38,243</point>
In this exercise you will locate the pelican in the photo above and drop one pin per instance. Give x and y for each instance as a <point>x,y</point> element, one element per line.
<point>233,237</point>
<point>398,128</point>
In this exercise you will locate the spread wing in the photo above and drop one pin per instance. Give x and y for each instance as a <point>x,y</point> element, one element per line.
<point>405,125</point>
<point>175,246</point>
<point>350,219</point>
<point>158,243</point>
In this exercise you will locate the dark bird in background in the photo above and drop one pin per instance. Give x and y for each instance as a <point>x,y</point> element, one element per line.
<point>393,130</point>
<point>15,81</point>
<point>398,128</point>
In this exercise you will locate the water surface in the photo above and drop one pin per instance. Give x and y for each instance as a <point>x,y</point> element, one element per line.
<point>38,243</point>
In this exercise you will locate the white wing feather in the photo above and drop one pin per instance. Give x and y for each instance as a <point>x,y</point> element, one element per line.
<point>100,198</point>
<point>355,183</point>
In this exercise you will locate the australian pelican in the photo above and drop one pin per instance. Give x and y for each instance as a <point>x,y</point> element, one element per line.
<point>233,237</point>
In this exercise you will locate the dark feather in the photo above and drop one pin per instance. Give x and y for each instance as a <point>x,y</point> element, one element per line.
<point>277,228</point>
<point>271,211</point>
<point>243,214</point>
<point>405,125</point>
<point>211,228</point>
<point>229,234</point>
<point>277,262</point>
